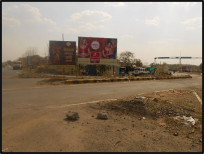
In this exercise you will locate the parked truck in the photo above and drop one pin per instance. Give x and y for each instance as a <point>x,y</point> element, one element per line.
<point>17,65</point>
<point>143,71</point>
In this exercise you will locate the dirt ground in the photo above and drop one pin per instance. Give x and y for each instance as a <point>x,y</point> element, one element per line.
<point>147,123</point>
<point>140,123</point>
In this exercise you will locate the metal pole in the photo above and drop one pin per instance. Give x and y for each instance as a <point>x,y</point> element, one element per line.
<point>180,62</point>
<point>62,37</point>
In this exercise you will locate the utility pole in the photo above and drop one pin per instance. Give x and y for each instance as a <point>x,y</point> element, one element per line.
<point>62,37</point>
<point>180,62</point>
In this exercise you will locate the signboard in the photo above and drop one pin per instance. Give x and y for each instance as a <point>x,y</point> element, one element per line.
<point>95,57</point>
<point>97,50</point>
<point>29,60</point>
<point>62,53</point>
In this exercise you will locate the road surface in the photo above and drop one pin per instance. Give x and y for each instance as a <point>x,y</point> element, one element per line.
<point>24,101</point>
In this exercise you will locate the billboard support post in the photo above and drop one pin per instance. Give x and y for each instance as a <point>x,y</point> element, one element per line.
<point>76,70</point>
<point>113,70</point>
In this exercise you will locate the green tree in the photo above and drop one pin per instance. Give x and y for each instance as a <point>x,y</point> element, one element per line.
<point>154,65</point>
<point>126,58</point>
<point>137,63</point>
<point>9,62</point>
<point>103,69</point>
<point>6,63</point>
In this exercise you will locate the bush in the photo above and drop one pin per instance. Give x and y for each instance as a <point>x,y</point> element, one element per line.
<point>58,70</point>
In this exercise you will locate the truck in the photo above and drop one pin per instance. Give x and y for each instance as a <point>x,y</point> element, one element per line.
<point>17,65</point>
<point>143,71</point>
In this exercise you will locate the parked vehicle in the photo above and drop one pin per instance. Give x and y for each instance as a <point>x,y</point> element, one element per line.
<point>151,69</point>
<point>122,71</point>
<point>140,71</point>
<point>17,65</point>
<point>143,70</point>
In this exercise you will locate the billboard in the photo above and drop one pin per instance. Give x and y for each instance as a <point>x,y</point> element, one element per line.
<point>62,53</point>
<point>92,50</point>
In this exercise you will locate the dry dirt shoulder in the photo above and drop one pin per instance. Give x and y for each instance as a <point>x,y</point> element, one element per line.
<point>150,123</point>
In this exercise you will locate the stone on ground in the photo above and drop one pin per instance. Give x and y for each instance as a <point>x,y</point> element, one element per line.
<point>102,115</point>
<point>72,115</point>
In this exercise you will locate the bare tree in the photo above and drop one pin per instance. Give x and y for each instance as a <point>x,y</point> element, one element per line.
<point>47,50</point>
<point>30,52</point>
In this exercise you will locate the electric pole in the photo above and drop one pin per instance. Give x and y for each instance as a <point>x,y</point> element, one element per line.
<point>180,62</point>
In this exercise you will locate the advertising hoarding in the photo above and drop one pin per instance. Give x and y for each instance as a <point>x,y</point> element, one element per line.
<point>97,50</point>
<point>95,57</point>
<point>62,53</point>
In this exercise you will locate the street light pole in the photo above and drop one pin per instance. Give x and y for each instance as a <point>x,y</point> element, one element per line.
<point>180,62</point>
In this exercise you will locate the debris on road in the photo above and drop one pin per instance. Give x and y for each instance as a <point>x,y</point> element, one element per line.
<point>102,115</point>
<point>140,97</point>
<point>72,116</point>
<point>175,134</point>
<point>188,121</point>
<point>155,99</point>
<point>117,142</point>
<point>168,112</point>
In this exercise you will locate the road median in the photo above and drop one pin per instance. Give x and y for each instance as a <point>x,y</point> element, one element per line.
<point>79,81</point>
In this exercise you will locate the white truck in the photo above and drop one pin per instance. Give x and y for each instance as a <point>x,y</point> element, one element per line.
<point>140,71</point>
<point>17,65</point>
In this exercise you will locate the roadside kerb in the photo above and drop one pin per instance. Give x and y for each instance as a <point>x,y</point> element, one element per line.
<point>78,81</point>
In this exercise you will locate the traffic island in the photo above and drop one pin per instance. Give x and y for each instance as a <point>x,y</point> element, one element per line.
<point>78,81</point>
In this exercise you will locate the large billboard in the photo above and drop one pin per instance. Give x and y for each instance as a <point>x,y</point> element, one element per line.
<point>62,53</point>
<point>93,50</point>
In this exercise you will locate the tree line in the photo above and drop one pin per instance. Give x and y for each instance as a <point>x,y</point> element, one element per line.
<point>126,59</point>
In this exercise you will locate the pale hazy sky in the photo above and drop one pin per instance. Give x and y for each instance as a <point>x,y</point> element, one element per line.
<point>148,29</point>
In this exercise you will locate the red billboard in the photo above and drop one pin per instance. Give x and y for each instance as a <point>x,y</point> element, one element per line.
<point>62,53</point>
<point>105,48</point>
<point>95,57</point>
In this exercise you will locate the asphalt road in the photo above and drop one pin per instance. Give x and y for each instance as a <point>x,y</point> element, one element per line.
<point>25,93</point>
<point>21,95</point>
<point>23,99</point>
